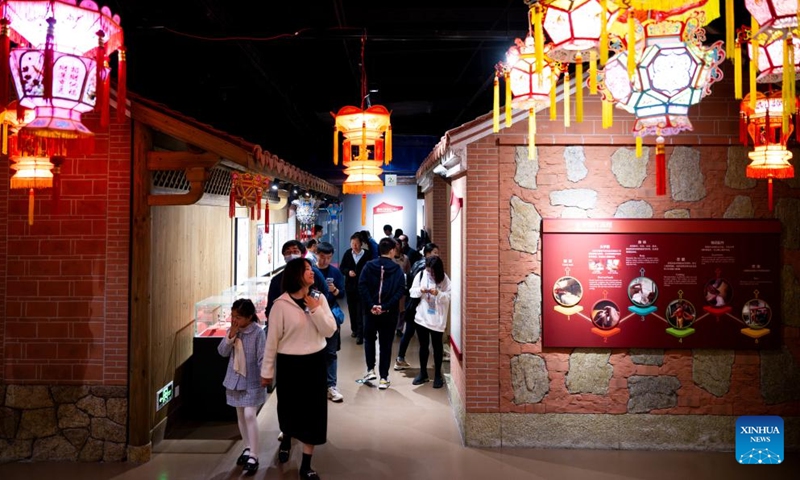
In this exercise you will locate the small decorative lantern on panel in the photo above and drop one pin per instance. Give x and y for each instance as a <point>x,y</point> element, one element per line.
<point>770,158</point>
<point>306,214</point>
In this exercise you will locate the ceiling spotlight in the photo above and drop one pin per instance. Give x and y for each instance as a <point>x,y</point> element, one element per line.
<point>275,184</point>
<point>294,191</point>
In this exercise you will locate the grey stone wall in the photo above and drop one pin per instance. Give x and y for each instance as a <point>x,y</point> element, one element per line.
<point>711,370</point>
<point>589,371</point>
<point>630,171</point>
<point>75,423</point>
<point>526,171</point>
<point>527,321</point>
<point>686,180</point>
<point>525,225</point>
<point>530,379</point>
<point>576,164</point>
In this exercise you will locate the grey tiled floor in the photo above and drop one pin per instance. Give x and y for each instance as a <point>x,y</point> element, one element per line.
<point>405,432</point>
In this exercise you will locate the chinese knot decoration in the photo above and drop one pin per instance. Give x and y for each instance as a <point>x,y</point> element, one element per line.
<point>247,189</point>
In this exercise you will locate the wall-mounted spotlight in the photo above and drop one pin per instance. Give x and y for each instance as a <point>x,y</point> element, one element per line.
<point>275,184</point>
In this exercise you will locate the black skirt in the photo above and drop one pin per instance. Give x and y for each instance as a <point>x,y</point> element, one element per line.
<point>303,397</point>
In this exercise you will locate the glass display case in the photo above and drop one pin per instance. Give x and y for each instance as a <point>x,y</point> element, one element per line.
<point>212,316</point>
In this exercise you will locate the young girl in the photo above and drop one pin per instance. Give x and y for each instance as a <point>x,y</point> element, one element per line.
<point>242,381</point>
<point>432,287</point>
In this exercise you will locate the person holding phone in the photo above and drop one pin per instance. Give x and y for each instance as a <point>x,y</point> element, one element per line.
<point>433,290</point>
<point>299,323</point>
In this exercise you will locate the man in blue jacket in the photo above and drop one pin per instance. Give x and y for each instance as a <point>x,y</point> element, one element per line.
<point>381,285</point>
<point>335,289</point>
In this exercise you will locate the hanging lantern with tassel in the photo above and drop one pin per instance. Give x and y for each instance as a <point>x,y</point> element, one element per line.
<point>60,69</point>
<point>31,173</point>
<point>530,89</point>
<point>769,134</point>
<point>247,190</point>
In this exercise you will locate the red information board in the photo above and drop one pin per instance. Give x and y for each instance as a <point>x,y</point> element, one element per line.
<point>621,283</point>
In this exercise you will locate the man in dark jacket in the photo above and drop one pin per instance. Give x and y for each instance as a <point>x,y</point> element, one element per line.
<point>381,285</point>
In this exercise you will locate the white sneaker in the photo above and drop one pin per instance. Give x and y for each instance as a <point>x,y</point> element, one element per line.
<point>370,375</point>
<point>334,395</point>
<point>384,383</point>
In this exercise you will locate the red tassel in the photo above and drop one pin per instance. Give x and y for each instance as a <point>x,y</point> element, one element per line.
<point>257,207</point>
<point>661,167</point>
<point>122,85</point>
<point>363,209</point>
<point>266,217</point>
<point>5,49</point>
<point>797,123</point>
<point>767,128</point>
<point>20,113</point>
<point>57,161</point>
<point>769,193</point>
<point>49,55</point>
<point>105,111</point>
<point>232,196</point>
<point>100,60</point>
<point>743,129</point>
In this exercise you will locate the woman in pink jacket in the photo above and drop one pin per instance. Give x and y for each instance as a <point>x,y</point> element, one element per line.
<point>299,322</point>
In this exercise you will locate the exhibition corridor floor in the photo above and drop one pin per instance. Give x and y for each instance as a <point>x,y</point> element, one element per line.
<point>404,432</point>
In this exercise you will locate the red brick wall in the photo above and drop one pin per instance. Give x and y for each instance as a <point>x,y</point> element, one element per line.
<point>65,290</point>
<point>495,269</point>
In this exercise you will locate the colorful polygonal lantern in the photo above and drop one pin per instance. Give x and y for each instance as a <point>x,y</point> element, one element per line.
<point>773,14</point>
<point>526,87</point>
<point>367,134</point>
<point>63,71</point>
<point>247,189</point>
<point>770,57</point>
<point>579,32</point>
<point>766,128</point>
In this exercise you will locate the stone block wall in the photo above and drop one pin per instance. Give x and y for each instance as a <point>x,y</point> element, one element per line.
<point>75,423</point>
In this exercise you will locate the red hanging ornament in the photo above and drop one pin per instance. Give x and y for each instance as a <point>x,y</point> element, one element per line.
<point>5,49</point>
<point>661,167</point>
<point>49,47</point>
<point>122,86</point>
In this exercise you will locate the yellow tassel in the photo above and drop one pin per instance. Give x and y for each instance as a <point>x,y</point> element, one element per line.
<point>335,145</point>
<point>508,98</point>
<point>729,29</point>
<point>638,147</point>
<point>496,106</point>
<point>31,204</point>
<point>631,44</point>
<point>566,99</point>
<point>579,88</point>
<point>603,33</point>
<point>538,37</point>
<point>362,150</point>
<point>593,72</point>
<point>608,114</point>
<point>737,72</point>
<point>363,209</point>
<point>531,133</point>
<point>5,138</point>
<point>388,146</point>
<point>553,80</point>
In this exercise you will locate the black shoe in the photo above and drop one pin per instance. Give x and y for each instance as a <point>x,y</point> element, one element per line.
<point>283,455</point>
<point>309,475</point>
<point>360,341</point>
<point>438,382</point>
<point>271,387</point>
<point>398,332</point>
<point>243,457</point>
<point>420,379</point>
<point>353,334</point>
<point>251,467</point>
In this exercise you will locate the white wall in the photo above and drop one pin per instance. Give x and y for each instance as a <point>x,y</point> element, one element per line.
<point>405,195</point>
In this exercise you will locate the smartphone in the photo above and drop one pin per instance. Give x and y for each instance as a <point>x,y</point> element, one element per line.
<point>314,294</point>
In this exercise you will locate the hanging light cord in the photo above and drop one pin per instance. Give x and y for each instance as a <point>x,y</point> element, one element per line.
<point>364,94</point>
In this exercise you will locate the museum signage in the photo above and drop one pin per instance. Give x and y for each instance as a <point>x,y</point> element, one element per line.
<point>667,283</point>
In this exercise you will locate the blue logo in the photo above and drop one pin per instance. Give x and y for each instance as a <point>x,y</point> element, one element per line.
<point>759,440</point>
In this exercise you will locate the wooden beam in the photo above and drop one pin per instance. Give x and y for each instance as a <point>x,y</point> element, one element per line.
<point>140,397</point>
<point>181,160</point>
<point>197,178</point>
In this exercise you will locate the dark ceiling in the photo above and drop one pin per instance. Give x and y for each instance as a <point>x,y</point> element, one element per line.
<point>272,71</point>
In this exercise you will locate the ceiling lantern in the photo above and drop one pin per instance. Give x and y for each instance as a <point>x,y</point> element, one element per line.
<point>527,88</point>
<point>34,172</point>
<point>61,71</point>
<point>769,134</point>
<point>367,144</point>
<point>770,56</point>
<point>773,14</point>
<point>306,213</point>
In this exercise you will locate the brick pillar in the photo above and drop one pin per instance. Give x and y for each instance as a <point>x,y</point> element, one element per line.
<point>481,318</point>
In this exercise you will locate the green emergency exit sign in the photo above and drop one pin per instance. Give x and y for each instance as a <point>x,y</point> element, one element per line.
<point>164,395</point>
